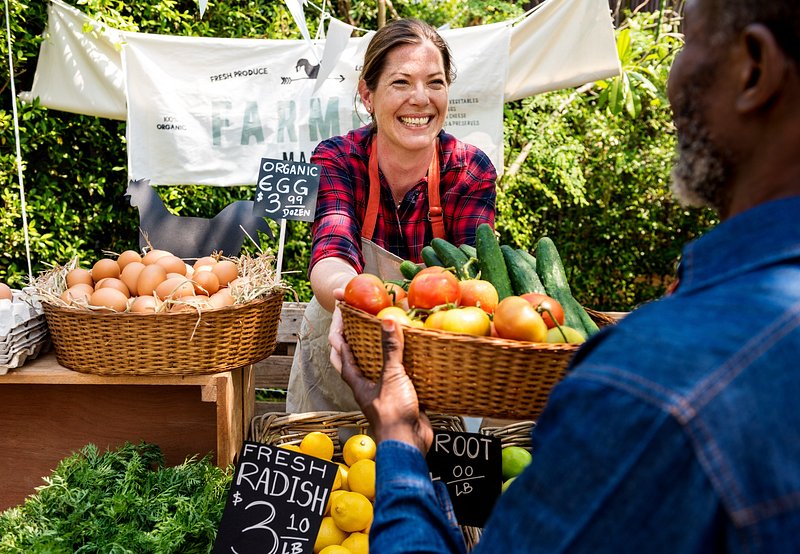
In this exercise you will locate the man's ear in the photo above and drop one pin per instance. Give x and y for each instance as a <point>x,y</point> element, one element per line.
<point>763,68</point>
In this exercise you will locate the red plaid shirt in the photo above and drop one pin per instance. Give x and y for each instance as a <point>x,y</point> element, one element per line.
<point>467,193</point>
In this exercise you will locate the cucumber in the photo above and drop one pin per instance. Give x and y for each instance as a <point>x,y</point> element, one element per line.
<point>430,258</point>
<point>490,259</point>
<point>554,278</point>
<point>473,268</point>
<point>469,250</point>
<point>408,269</point>
<point>528,257</point>
<point>549,266</point>
<point>451,256</point>
<point>523,277</point>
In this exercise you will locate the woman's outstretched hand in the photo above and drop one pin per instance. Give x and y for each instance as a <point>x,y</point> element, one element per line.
<point>391,405</point>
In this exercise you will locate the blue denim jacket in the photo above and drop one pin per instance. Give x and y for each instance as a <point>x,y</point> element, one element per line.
<point>677,430</point>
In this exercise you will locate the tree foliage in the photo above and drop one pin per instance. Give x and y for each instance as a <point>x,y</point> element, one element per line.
<point>594,177</point>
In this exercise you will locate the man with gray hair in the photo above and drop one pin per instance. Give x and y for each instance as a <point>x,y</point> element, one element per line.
<point>676,430</point>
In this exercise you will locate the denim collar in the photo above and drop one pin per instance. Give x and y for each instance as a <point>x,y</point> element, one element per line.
<point>766,234</point>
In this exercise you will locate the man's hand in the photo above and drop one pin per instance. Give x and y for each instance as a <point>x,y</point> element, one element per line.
<point>391,405</point>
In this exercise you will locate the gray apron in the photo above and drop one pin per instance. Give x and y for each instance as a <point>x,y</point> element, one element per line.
<point>314,384</point>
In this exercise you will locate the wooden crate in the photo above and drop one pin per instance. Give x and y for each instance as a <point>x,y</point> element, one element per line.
<point>49,412</point>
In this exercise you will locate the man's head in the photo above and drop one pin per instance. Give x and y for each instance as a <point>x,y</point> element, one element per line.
<point>733,91</point>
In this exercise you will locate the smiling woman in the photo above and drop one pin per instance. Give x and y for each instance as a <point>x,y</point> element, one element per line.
<point>392,185</point>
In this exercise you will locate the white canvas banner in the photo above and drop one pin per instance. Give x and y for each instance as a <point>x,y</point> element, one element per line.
<point>563,44</point>
<point>81,72</point>
<point>206,111</point>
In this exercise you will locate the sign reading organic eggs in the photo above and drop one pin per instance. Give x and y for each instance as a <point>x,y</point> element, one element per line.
<point>470,464</point>
<point>286,190</point>
<point>276,502</point>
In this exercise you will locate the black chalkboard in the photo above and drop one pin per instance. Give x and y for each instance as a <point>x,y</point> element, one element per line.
<point>470,464</point>
<point>286,190</point>
<point>276,502</point>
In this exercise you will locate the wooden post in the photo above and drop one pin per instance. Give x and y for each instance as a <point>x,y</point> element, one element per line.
<point>381,13</point>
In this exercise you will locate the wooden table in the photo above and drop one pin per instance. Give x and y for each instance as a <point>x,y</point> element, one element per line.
<point>48,412</point>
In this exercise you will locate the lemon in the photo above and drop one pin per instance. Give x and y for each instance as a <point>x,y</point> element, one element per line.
<point>514,460</point>
<point>288,446</point>
<point>335,549</point>
<point>361,478</point>
<point>358,447</point>
<point>333,495</point>
<point>357,543</point>
<point>328,534</point>
<point>343,471</point>
<point>318,444</point>
<point>351,511</point>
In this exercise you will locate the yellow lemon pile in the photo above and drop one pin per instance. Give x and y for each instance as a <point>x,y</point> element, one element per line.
<point>348,515</point>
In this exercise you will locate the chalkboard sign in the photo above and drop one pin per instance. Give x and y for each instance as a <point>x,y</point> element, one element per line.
<point>286,190</point>
<point>276,502</point>
<point>470,464</point>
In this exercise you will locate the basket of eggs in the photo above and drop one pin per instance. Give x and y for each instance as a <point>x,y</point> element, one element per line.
<point>154,314</point>
<point>462,359</point>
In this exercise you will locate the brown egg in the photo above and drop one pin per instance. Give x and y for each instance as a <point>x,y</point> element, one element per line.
<point>145,304</point>
<point>221,298</point>
<point>79,275</point>
<point>151,256</point>
<point>114,284</point>
<point>205,260</point>
<point>149,279</point>
<point>77,293</point>
<point>5,292</point>
<point>206,282</point>
<point>172,274</point>
<point>103,268</point>
<point>173,264</point>
<point>130,276</point>
<point>127,257</point>
<point>175,287</point>
<point>109,298</point>
<point>226,271</point>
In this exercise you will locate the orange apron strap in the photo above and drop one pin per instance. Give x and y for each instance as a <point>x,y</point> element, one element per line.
<point>374,200</point>
<point>434,201</point>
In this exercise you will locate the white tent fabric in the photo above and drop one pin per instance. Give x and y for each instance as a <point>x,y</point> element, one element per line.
<point>170,103</point>
<point>563,43</point>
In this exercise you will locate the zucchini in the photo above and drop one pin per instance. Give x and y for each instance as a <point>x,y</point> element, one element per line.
<point>451,256</point>
<point>490,259</point>
<point>523,277</point>
<point>430,258</point>
<point>408,269</point>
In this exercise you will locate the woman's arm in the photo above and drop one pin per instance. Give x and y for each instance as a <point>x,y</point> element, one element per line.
<point>327,275</point>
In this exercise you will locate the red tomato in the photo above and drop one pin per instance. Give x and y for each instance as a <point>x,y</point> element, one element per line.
<point>543,303</point>
<point>480,293</point>
<point>366,292</point>
<point>397,292</point>
<point>433,286</point>
<point>470,320</point>
<point>515,318</point>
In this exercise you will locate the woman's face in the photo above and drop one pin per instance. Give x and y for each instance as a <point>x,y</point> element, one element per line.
<point>409,103</point>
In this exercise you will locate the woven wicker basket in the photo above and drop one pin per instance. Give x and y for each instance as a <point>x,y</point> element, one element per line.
<point>180,343</point>
<point>463,374</point>
<point>282,428</point>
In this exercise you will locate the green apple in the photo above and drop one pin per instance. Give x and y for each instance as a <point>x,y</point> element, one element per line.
<point>514,460</point>
<point>506,483</point>
<point>566,334</point>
